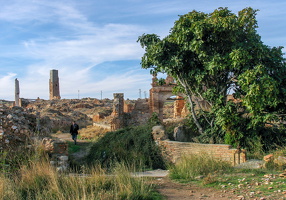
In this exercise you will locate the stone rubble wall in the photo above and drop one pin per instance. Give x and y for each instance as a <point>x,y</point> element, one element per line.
<point>58,153</point>
<point>16,127</point>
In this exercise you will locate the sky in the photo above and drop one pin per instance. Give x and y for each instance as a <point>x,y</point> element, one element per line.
<point>93,43</point>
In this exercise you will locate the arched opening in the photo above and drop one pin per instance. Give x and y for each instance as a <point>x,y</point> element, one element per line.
<point>168,109</point>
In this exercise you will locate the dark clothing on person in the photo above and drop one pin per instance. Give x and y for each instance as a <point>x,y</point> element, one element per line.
<point>74,131</point>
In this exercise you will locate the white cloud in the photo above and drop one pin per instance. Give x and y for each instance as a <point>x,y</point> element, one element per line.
<point>76,36</point>
<point>113,41</point>
<point>127,83</point>
<point>7,84</point>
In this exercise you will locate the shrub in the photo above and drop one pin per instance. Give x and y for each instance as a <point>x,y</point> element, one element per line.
<point>132,146</point>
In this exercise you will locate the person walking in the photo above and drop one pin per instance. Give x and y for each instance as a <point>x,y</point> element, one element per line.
<point>74,131</point>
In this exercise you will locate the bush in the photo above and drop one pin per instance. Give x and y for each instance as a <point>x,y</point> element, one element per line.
<point>132,146</point>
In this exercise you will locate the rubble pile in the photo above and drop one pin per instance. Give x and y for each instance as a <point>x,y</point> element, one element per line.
<point>42,117</point>
<point>279,160</point>
<point>16,127</point>
<point>60,113</point>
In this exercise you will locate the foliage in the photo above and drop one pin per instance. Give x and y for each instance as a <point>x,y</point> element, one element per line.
<point>133,146</point>
<point>213,55</point>
<point>154,120</point>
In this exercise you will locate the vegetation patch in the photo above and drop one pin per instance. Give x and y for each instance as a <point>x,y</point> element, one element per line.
<point>40,181</point>
<point>133,145</point>
<point>191,166</point>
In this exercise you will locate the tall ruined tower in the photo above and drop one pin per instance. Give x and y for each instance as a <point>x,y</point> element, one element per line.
<point>17,93</point>
<point>54,85</point>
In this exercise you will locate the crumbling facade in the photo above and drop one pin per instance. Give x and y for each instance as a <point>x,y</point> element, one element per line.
<point>54,85</point>
<point>180,107</point>
<point>160,93</point>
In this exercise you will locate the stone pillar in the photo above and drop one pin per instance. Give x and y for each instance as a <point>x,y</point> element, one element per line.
<point>118,104</point>
<point>179,105</point>
<point>117,121</point>
<point>17,93</point>
<point>54,85</point>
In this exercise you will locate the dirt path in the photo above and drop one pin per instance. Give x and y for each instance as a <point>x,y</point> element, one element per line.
<point>67,137</point>
<point>168,188</point>
<point>180,191</point>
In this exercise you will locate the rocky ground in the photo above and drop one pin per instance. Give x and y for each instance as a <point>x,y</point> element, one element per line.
<point>179,191</point>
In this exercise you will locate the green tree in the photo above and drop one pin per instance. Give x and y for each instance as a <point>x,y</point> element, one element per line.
<point>216,54</point>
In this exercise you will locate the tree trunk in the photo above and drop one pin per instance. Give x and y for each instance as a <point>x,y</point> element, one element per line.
<point>189,96</point>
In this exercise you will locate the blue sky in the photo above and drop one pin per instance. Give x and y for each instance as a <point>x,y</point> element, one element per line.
<point>93,42</point>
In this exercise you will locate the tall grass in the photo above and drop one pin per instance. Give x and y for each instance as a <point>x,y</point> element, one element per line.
<point>41,181</point>
<point>194,165</point>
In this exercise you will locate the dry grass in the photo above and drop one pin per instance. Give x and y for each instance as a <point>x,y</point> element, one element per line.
<point>41,181</point>
<point>92,132</point>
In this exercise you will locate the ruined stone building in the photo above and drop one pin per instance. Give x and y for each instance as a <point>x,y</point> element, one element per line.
<point>160,93</point>
<point>54,85</point>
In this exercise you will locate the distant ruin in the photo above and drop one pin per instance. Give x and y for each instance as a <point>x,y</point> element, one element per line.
<point>125,114</point>
<point>17,93</point>
<point>117,121</point>
<point>54,85</point>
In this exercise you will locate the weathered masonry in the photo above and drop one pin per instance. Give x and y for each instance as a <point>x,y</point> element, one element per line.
<point>54,85</point>
<point>160,93</point>
<point>174,150</point>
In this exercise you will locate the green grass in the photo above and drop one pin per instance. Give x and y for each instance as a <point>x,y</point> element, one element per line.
<point>195,165</point>
<point>72,148</point>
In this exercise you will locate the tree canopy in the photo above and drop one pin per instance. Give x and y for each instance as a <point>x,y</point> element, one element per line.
<point>212,55</point>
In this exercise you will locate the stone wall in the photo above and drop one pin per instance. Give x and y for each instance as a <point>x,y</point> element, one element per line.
<point>16,127</point>
<point>174,150</point>
<point>58,152</point>
<point>98,117</point>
